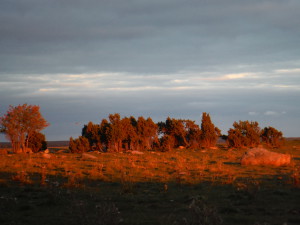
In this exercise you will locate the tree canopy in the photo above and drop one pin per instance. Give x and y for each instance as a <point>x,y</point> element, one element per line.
<point>20,123</point>
<point>37,142</point>
<point>128,133</point>
<point>210,133</point>
<point>272,137</point>
<point>249,134</point>
<point>244,134</point>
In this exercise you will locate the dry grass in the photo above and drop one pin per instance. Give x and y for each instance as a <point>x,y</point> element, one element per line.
<point>180,166</point>
<point>159,179</point>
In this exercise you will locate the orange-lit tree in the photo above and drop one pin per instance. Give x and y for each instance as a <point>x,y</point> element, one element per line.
<point>130,138</point>
<point>174,133</point>
<point>20,122</point>
<point>104,131</point>
<point>272,137</point>
<point>115,133</point>
<point>167,142</point>
<point>193,134</point>
<point>37,142</point>
<point>147,133</point>
<point>79,145</point>
<point>235,138</point>
<point>209,133</point>
<point>92,133</point>
<point>179,132</point>
<point>244,134</point>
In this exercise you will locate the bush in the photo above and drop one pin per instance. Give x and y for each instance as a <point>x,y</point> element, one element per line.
<point>210,133</point>
<point>37,142</point>
<point>272,137</point>
<point>79,145</point>
<point>244,134</point>
<point>166,143</point>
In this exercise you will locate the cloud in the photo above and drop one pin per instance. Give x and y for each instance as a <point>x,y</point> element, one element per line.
<point>88,84</point>
<point>145,37</point>
<point>47,89</point>
<point>234,76</point>
<point>274,113</point>
<point>226,77</point>
<point>155,58</point>
<point>289,71</point>
<point>253,113</point>
<point>238,76</point>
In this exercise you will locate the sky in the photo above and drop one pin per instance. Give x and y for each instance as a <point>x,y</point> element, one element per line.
<point>82,60</point>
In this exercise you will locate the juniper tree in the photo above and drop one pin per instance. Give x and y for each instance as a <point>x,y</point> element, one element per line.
<point>37,142</point>
<point>79,145</point>
<point>92,133</point>
<point>147,132</point>
<point>244,134</point>
<point>115,133</point>
<point>193,134</point>
<point>130,137</point>
<point>272,137</point>
<point>209,133</point>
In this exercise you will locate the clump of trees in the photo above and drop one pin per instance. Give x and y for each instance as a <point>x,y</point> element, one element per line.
<point>21,124</point>
<point>249,134</point>
<point>117,134</point>
<point>177,132</point>
<point>128,133</point>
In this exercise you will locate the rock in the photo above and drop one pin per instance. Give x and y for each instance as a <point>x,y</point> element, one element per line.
<point>46,156</point>
<point>88,156</point>
<point>137,152</point>
<point>261,156</point>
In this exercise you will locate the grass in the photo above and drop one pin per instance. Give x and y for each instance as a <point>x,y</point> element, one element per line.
<point>178,187</point>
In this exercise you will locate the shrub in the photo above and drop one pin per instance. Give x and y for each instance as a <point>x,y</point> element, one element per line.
<point>244,134</point>
<point>79,145</point>
<point>210,133</point>
<point>37,142</point>
<point>166,142</point>
<point>272,137</point>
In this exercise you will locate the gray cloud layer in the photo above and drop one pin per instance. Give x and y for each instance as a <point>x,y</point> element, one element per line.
<point>81,60</point>
<point>146,36</point>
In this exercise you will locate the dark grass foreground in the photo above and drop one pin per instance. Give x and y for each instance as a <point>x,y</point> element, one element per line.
<point>149,203</point>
